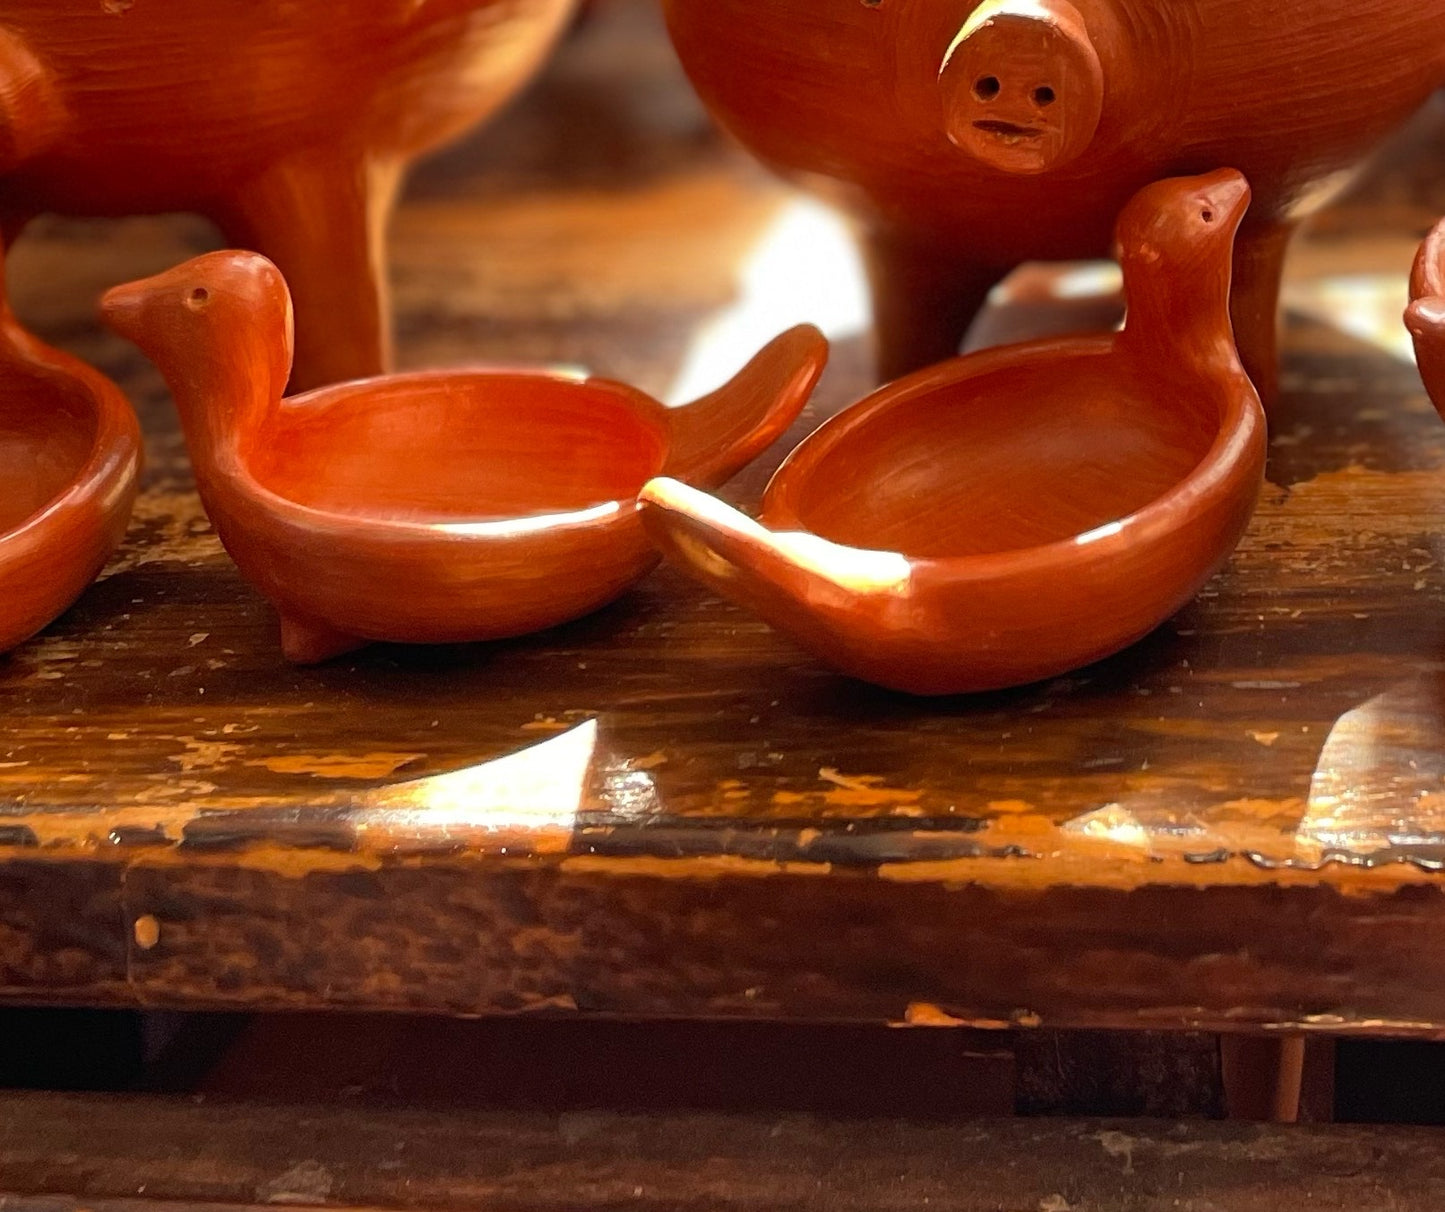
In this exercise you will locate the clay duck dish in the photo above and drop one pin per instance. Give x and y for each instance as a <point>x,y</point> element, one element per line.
<point>1425,317</point>
<point>437,507</point>
<point>70,454</point>
<point>1020,512</point>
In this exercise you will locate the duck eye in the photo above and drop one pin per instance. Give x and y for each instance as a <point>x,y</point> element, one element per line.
<point>1207,216</point>
<point>198,298</point>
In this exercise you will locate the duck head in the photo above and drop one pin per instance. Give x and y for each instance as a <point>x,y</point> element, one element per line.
<point>212,300</point>
<point>220,330</point>
<point>1176,247</point>
<point>1177,226</point>
<point>1023,86</point>
<point>229,306</point>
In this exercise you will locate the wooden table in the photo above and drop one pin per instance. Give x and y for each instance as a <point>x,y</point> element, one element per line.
<point>85,1154</point>
<point>667,810</point>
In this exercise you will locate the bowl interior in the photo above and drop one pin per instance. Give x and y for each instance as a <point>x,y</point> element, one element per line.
<point>1018,458</point>
<point>47,434</point>
<point>464,447</point>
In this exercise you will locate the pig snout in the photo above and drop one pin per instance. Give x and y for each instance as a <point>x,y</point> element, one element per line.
<point>1023,87</point>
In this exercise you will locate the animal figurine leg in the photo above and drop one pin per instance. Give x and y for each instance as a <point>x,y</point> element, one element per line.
<point>322,220</point>
<point>924,300</point>
<point>1259,257</point>
<point>306,643</point>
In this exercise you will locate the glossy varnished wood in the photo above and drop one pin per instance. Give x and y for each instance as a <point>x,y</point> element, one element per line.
<point>1233,824</point>
<point>67,1153</point>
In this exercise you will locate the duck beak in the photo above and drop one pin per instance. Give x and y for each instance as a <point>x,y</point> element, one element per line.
<point>1227,193</point>
<point>123,310</point>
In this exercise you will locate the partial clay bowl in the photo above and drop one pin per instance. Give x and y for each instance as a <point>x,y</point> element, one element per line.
<point>70,454</point>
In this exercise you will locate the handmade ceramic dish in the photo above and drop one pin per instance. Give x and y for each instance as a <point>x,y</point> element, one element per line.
<point>1425,317</point>
<point>971,137</point>
<point>69,460</point>
<point>289,124</point>
<point>432,507</point>
<point>1020,512</point>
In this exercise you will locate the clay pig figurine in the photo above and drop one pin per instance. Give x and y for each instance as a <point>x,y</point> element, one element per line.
<point>970,137</point>
<point>288,122</point>
<point>1425,317</point>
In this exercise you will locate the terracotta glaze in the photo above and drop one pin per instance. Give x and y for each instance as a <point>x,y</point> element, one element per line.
<point>1023,511</point>
<point>289,124</point>
<point>1425,317</point>
<point>971,137</point>
<point>435,507</point>
<point>70,454</point>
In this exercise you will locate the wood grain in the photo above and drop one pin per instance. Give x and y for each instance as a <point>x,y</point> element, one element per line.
<point>1235,824</point>
<point>64,1154</point>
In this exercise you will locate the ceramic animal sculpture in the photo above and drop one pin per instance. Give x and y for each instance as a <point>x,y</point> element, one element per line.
<point>69,458</point>
<point>1425,317</point>
<point>433,507</point>
<point>1023,511</point>
<point>969,137</point>
<point>288,122</point>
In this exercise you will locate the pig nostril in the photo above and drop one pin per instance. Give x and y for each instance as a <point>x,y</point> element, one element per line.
<point>1044,95</point>
<point>986,88</point>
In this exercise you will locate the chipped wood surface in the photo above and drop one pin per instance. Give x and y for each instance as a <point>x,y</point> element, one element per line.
<point>665,808</point>
<point>66,1154</point>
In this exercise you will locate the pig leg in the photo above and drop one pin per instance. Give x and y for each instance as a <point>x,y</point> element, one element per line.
<point>322,220</point>
<point>924,299</point>
<point>1259,256</point>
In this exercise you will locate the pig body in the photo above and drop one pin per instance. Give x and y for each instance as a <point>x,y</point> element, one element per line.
<point>289,122</point>
<point>971,137</point>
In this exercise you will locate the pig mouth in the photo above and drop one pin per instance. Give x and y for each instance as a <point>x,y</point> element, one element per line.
<point>1010,131</point>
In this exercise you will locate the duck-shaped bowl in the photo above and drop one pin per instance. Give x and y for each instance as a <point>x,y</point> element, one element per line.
<point>1009,516</point>
<point>1425,317</point>
<point>436,507</point>
<point>70,454</point>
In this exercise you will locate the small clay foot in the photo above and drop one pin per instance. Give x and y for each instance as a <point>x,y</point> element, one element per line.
<point>306,643</point>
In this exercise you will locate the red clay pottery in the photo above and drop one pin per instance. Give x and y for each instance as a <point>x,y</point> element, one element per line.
<point>1425,317</point>
<point>289,124</point>
<point>69,459</point>
<point>434,507</point>
<point>1023,511</point>
<point>970,137</point>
